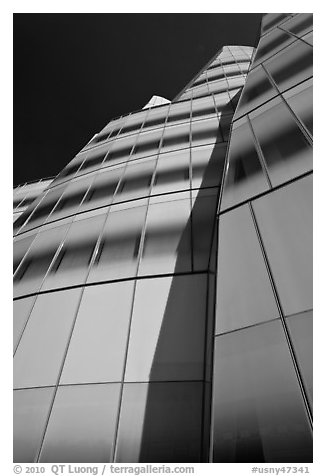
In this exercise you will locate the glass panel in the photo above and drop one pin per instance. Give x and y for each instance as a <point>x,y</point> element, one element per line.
<point>179,113</point>
<point>72,262</point>
<point>118,252</point>
<point>167,241</point>
<point>223,103</point>
<point>20,247</point>
<point>300,100</point>
<point>33,268</point>
<point>71,199</point>
<point>175,137</point>
<point>30,412</point>
<point>258,89</point>
<point>203,220</point>
<point>272,19</point>
<point>171,312</point>
<point>271,44</point>
<point>245,295</point>
<point>300,24</point>
<point>205,132</point>
<point>94,158</point>
<point>22,309</point>
<point>197,92</point>
<point>207,165</point>
<point>172,172</point>
<point>259,414</point>
<point>291,66</point>
<point>136,181</point>
<point>245,177</point>
<point>120,149</point>
<point>133,123</point>
<point>147,144</point>
<point>218,86</point>
<point>203,107</point>
<point>97,347</point>
<point>308,38</point>
<point>160,422</point>
<point>285,222</point>
<point>301,331</point>
<point>82,425</point>
<point>41,350</point>
<point>215,74</point>
<point>102,190</point>
<point>285,148</point>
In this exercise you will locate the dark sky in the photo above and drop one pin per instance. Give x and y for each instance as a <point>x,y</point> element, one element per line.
<point>73,73</point>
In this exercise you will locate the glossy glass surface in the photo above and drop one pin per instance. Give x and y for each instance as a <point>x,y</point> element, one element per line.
<point>271,44</point>
<point>244,292</point>
<point>300,24</point>
<point>31,408</point>
<point>205,132</point>
<point>117,255</point>
<point>207,165</point>
<point>172,172</point>
<point>136,180</point>
<point>285,223</point>
<point>98,344</point>
<point>286,150</point>
<point>259,414</point>
<point>160,422</point>
<point>21,311</point>
<point>300,100</point>
<point>171,312</point>
<point>244,177</point>
<point>291,66</point>
<point>41,350</point>
<point>81,426</point>
<point>175,137</point>
<point>167,238</point>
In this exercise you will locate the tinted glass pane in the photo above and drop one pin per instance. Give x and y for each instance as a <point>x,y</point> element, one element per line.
<point>21,246</point>
<point>30,412</point>
<point>168,413</point>
<point>82,424</point>
<point>33,268</point>
<point>301,331</point>
<point>207,165</point>
<point>259,414</point>
<point>147,144</point>
<point>272,19</point>
<point>300,24</point>
<point>258,89</point>
<point>271,44</point>
<point>41,350</point>
<point>172,172</point>
<point>136,181</point>
<point>118,251</point>
<point>244,292</point>
<point>300,100</point>
<point>245,176</point>
<point>291,66</point>
<point>171,312</point>
<point>103,188</point>
<point>205,132</point>
<point>167,239</point>
<point>72,263</point>
<point>179,113</point>
<point>286,150</point>
<point>285,222</point>
<point>175,138</point>
<point>22,309</point>
<point>97,348</point>
<point>203,107</point>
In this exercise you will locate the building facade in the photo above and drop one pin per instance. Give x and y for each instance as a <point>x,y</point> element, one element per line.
<point>161,309</point>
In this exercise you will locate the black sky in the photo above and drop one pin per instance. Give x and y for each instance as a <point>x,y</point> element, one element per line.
<point>73,73</point>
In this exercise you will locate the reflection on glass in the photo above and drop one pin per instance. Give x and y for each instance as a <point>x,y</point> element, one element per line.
<point>30,410</point>
<point>175,137</point>
<point>291,66</point>
<point>205,132</point>
<point>259,414</point>
<point>156,117</point>
<point>258,89</point>
<point>41,350</point>
<point>167,239</point>
<point>271,44</point>
<point>300,327</point>
<point>21,311</point>
<point>36,262</point>
<point>285,222</point>
<point>179,112</point>
<point>285,148</point>
<point>171,312</point>
<point>172,172</point>
<point>244,292</point>
<point>203,107</point>
<point>21,246</point>
<point>207,165</point>
<point>147,144</point>
<point>136,180</point>
<point>272,19</point>
<point>73,260</point>
<point>82,424</point>
<point>103,188</point>
<point>300,100</point>
<point>160,422</point>
<point>300,24</point>
<point>244,177</point>
<point>97,347</point>
<point>118,251</point>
